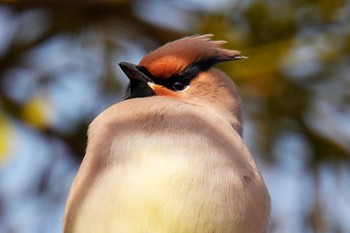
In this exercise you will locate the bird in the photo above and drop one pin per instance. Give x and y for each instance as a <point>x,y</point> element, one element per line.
<point>170,157</point>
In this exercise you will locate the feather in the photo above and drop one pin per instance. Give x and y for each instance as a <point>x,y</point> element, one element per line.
<point>176,56</point>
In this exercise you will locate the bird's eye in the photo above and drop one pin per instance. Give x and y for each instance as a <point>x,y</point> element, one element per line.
<point>179,86</point>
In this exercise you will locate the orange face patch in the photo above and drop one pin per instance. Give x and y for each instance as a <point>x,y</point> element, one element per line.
<point>163,91</point>
<point>165,66</point>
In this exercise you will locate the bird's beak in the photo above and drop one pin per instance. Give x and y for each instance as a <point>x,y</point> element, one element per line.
<point>133,72</point>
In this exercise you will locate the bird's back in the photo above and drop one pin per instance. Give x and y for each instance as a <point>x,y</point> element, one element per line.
<point>173,168</point>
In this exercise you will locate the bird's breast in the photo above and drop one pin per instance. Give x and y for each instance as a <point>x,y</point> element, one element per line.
<point>170,170</point>
<point>162,185</point>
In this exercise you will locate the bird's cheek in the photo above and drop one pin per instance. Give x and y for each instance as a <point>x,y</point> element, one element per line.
<point>163,91</point>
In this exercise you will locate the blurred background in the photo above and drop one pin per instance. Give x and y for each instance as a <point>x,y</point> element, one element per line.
<point>58,70</point>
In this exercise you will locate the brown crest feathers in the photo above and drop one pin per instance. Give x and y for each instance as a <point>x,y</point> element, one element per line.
<point>176,56</point>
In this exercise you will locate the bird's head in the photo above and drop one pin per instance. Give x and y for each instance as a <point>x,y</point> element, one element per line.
<point>182,69</point>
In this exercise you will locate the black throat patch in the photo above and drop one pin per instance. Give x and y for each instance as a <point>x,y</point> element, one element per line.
<point>138,89</point>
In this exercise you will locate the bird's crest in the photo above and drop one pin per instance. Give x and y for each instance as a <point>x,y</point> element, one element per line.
<point>176,56</point>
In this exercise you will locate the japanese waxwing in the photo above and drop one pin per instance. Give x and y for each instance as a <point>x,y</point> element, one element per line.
<point>170,157</point>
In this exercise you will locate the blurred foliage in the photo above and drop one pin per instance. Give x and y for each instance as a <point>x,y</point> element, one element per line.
<point>33,113</point>
<point>5,132</point>
<point>296,79</point>
<point>268,34</point>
